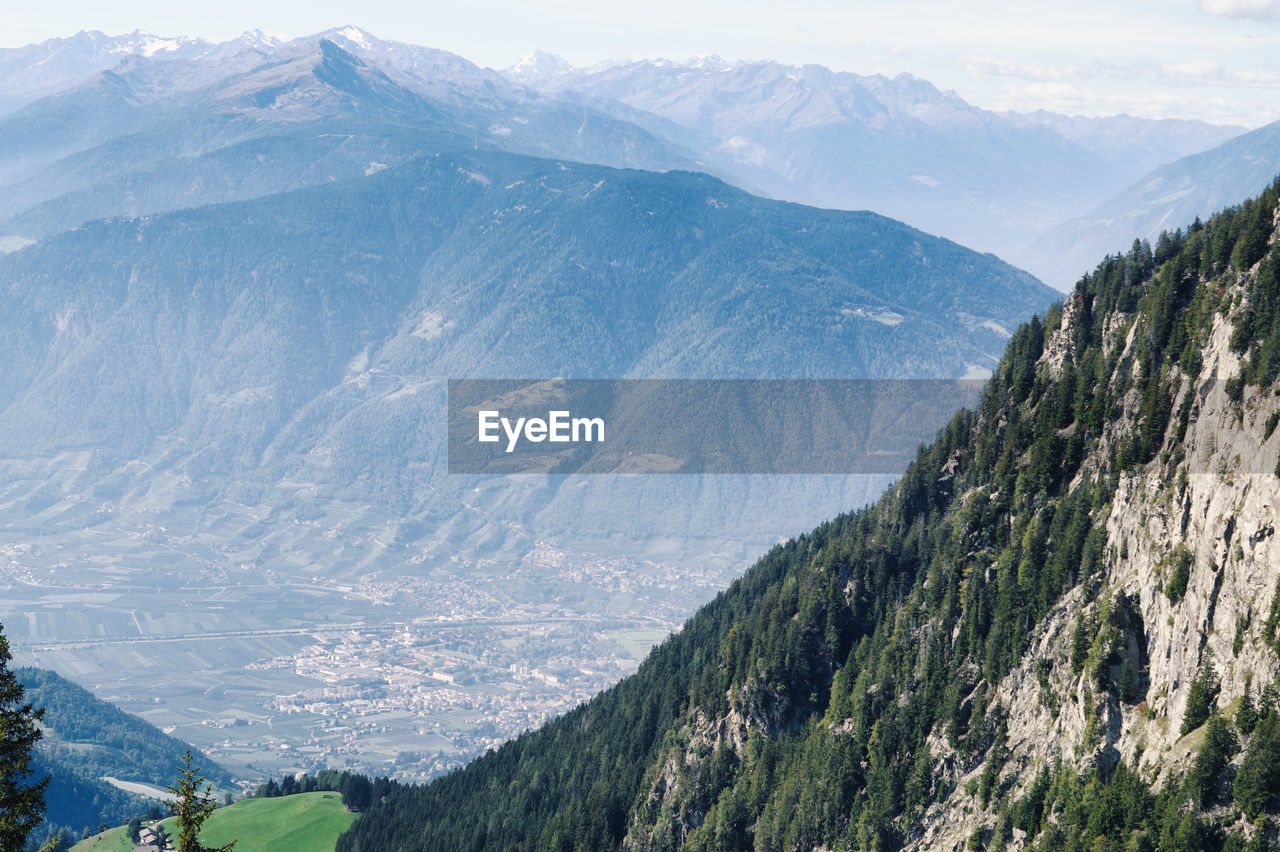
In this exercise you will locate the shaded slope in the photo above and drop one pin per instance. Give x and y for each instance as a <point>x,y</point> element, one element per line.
<point>233,366</point>
<point>85,740</point>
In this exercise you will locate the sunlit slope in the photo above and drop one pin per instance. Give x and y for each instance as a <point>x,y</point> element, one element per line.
<point>307,822</point>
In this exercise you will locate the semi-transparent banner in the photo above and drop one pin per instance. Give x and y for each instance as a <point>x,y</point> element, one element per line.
<point>695,426</point>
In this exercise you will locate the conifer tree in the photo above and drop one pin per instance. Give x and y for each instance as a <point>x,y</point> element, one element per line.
<point>1247,715</point>
<point>21,797</point>
<point>1202,698</point>
<point>192,805</point>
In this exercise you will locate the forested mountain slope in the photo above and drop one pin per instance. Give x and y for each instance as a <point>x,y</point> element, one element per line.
<point>1058,630</point>
<point>86,740</point>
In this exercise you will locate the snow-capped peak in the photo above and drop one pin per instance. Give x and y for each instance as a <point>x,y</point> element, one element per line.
<point>257,38</point>
<point>710,62</point>
<point>539,65</point>
<point>140,43</point>
<point>354,35</point>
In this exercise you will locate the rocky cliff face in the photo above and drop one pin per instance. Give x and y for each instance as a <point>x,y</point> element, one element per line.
<point>1211,502</point>
<point>1208,505</point>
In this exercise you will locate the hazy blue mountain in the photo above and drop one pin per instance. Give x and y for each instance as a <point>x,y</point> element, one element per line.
<point>1134,145</point>
<point>291,351</point>
<point>476,264</point>
<point>310,113</point>
<point>104,98</point>
<point>36,70</point>
<point>218,143</point>
<point>897,146</point>
<point>237,410</point>
<point>139,124</point>
<point>64,123</point>
<point>1170,197</point>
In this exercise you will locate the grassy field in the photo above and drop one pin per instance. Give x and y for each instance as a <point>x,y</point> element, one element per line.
<point>115,840</point>
<point>309,822</point>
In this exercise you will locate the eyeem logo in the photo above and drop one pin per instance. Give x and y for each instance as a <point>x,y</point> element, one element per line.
<point>559,427</point>
<point>556,427</point>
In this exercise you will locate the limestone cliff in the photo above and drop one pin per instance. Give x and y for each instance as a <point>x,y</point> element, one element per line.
<point>1211,502</point>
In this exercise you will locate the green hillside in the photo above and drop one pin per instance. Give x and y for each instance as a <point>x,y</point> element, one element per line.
<point>307,822</point>
<point>115,840</point>
<point>97,738</point>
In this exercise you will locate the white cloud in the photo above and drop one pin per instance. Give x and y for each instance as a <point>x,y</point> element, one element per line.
<point>1256,9</point>
<point>1186,72</point>
<point>1193,68</point>
<point>990,66</point>
<point>1211,72</point>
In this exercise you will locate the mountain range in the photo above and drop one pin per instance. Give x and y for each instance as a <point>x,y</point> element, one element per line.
<point>1170,197</point>
<point>343,308</point>
<point>899,146</point>
<point>75,111</point>
<point>236,310</point>
<point>238,277</point>
<point>151,135</point>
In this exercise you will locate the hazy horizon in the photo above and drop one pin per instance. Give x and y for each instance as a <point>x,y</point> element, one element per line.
<point>1211,61</point>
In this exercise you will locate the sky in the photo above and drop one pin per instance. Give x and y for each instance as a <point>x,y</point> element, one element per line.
<point>1217,60</point>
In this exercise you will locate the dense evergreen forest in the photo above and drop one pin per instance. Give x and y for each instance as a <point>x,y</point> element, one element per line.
<point>123,745</point>
<point>358,791</point>
<point>844,650</point>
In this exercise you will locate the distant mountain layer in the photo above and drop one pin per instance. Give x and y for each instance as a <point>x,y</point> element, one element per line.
<point>149,135</point>
<point>233,342</point>
<point>30,72</point>
<point>896,146</point>
<point>1170,197</point>
<point>94,125</point>
<point>1136,144</point>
